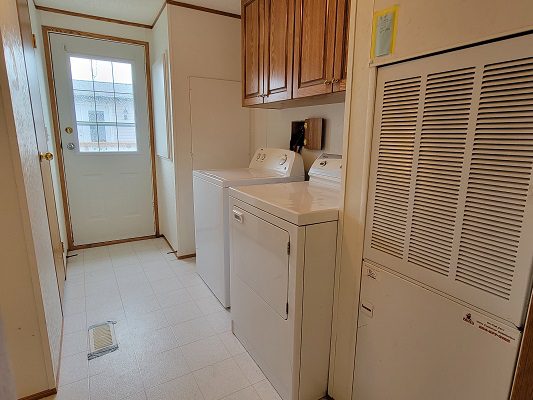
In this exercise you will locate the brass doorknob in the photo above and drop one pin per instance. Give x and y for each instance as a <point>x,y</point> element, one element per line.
<point>46,156</point>
<point>69,130</point>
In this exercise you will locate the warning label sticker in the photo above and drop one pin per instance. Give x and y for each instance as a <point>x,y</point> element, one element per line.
<point>491,327</point>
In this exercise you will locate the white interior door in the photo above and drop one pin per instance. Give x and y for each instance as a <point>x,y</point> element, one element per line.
<point>103,114</point>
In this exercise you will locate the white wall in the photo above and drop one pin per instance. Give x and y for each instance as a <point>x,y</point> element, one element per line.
<point>272,128</point>
<point>166,177</point>
<point>201,45</point>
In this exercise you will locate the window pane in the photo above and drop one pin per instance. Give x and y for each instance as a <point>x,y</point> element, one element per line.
<point>82,77</point>
<point>125,108</point>
<point>123,78</point>
<point>105,107</point>
<point>127,137</point>
<point>107,134</point>
<point>102,75</point>
<point>84,105</point>
<point>88,137</point>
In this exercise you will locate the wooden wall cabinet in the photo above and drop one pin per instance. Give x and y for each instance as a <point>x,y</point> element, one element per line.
<point>293,49</point>
<point>267,50</point>
<point>320,47</point>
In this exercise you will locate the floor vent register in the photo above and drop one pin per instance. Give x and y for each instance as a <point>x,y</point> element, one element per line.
<point>102,339</point>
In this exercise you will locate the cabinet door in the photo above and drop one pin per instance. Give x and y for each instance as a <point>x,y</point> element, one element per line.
<point>314,49</point>
<point>341,45</point>
<point>252,52</point>
<point>279,41</point>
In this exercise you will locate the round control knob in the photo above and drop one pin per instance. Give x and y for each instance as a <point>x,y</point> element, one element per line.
<point>263,157</point>
<point>283,159</point>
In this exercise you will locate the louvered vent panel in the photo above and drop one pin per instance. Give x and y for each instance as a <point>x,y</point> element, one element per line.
<point>499,178</point>
<point>440,162</point>
<point>393,175</point>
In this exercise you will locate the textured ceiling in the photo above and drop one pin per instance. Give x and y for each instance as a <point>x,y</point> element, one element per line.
<point>141,11</point>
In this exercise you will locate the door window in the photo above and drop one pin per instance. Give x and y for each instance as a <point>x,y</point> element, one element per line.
<point>104,105</point>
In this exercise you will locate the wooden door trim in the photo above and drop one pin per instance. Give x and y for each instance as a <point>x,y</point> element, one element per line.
<point>47,30</point>
<point>523,378</point>
<point>111,242</point>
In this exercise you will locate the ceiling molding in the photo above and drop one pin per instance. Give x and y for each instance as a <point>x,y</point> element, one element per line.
<point>203,9</point>
<point>137,24</point>
<point>95,17</point>
<point>159,13</point>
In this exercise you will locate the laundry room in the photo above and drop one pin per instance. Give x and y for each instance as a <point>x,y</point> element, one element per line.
<point>266,200</point>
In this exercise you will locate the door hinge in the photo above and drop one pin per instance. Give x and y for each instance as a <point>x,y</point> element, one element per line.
<point>287,308</point>
<point>289,248</point>
<point>34,41</point>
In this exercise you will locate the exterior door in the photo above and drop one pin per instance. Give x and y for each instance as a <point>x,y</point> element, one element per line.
<point>102,109</point>
<point>252,52</point>
<point>278,49</point>
<point>314,47</point>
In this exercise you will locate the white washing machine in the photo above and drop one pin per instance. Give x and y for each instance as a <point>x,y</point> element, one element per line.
<point>283,242</point>
<point>211,210</point>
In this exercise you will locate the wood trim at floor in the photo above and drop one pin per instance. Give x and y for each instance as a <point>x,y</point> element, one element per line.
<point>523,378</point>
<point>111,242</point>
<point>40,395</point>
<point>203,9</point>
<point>184,257</point>
<point>57,130</point>
<point>89,16</point>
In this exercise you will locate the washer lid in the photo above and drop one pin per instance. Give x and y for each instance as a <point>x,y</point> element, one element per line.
<point>300,203</point>
<point>244,176</point>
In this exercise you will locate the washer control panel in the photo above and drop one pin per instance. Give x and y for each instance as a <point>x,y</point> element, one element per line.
<point>284,161</point>
<point>327,167</point>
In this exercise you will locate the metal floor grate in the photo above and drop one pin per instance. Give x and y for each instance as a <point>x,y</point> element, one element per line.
<point>102,339</point>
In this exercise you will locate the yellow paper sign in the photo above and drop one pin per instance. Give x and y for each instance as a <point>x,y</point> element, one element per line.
<point>384,26</point>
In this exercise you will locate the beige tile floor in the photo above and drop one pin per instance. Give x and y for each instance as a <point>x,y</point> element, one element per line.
<point>175,339</point>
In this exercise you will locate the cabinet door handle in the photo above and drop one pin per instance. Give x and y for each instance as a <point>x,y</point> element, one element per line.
<point>326,82</point>
<point>336,80</point>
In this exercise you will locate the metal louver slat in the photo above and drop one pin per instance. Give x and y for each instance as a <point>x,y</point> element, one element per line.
<point>396,147</point>
<point>446,145</point>
<point>497,133</point>
<point>451,186</point>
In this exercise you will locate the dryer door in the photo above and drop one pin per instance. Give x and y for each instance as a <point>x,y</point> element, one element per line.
<point>260,258</point>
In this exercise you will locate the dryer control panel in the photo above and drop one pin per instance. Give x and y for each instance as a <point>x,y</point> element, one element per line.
<point>285,161</point>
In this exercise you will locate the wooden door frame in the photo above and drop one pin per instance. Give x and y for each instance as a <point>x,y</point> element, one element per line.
<point>47,30</point>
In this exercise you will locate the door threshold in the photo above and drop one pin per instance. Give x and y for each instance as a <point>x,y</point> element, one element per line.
<point>111,242</point>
